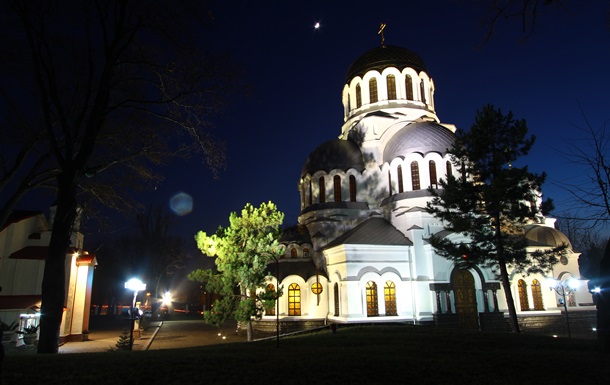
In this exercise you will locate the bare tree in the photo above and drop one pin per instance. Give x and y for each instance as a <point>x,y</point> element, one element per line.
<point>114,88</point>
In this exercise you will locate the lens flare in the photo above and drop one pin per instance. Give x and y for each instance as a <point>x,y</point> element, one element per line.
<point>181,204</point>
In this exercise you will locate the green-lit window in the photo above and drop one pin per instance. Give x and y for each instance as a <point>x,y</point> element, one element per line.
<point>270,310</point>
<point>294,300</point>
<point>389,292</point>
<point>372,309</point>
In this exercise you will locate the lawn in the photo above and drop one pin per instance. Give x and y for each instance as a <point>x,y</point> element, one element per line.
<point>355,355</point>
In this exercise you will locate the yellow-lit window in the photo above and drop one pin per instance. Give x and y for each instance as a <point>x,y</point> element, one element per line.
<point>409,87</point>
<point>337,185</point>
<point>371,299</point>
<point>415,175</point>
<point>316,288</point>
<point>389,292</point>
<point>294,299</point>
<point>373,90</point>
<point>391,83</point>
<point>537,295</point>
<point>523,298</point>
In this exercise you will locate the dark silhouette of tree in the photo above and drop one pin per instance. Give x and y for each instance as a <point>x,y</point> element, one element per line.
<point>491,200</point>
<point>106,91</point>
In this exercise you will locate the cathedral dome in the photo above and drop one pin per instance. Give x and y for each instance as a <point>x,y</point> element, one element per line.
<point>334,154</point>
<point>422,137</point>
<point>383,57</point>
<point>545,236</point>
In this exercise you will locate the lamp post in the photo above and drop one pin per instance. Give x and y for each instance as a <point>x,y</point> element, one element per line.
<point>564,288</point>
<point>135,285</point>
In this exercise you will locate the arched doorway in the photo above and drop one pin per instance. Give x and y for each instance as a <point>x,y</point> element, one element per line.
<point>465,299</point>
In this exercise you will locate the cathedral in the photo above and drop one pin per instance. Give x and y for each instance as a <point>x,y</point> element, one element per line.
<point>360,251</point>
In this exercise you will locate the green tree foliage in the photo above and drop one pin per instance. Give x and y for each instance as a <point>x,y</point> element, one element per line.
<point>243,250</point>
<point>491,200</point>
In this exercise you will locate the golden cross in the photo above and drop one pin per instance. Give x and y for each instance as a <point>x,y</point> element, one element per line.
<point>381,32</point>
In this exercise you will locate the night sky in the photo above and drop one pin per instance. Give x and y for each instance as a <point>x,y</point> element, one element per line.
<point>297,74</point>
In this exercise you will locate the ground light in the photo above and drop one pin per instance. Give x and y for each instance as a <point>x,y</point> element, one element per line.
<point>564,288</point>
<point>135,285</point>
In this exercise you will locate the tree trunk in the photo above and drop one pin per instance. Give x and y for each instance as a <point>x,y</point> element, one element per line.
<point>249,329</point>
<point>53,282</point>
<point>510,302</point>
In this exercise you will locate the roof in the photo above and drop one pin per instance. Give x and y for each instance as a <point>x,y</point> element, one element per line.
<point>19,302</point>
<point>304,269</point>
<point>373,231</point>
<point>295,234</point>
<point>422,137</point>
<point>537,235</point>
<point>383,57</point>
<point>18,216</point>
<point>334,154</point>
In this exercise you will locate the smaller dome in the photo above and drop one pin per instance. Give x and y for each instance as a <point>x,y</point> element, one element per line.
<point>334,154</point>
<point>423,137</point>
<point>383,57</point>
<point>545,236</point>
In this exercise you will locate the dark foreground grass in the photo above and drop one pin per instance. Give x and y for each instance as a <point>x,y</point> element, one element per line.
<point>356,355</point>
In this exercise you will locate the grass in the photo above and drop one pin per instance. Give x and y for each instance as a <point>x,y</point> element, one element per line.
<point>354,355</point>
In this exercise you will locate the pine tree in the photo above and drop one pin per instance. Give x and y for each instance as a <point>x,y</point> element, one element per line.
<point>492,200</point>
<point>243,251</point>
<point>124,342</point>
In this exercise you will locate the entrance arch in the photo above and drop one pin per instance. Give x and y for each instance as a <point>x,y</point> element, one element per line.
<point>465,299</point>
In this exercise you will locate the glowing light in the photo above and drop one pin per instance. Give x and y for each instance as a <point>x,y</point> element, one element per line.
<point>317,26</point>
<point>135,284</point>
<point>597,290</point>
<point>224,337</point>
<point>181,204</point>
<point>167,298</point>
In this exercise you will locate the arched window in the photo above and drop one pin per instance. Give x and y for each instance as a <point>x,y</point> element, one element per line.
<point>373,90</point>
<point>422,91</point>
<point>322,189</point>
<point>337,182</point>
<point>400,185</point>
<point>371,299</point>
<point>415,175</point>
<point>523,298</point>
<point>390,181</point>
<point>294,299</point>
<point>389,292</point>
<point>537,295</point>
<point>336,292</point>
<point>306,253</point>
<point>449,169</point>
<point>358,96</point>
<point>391,84</point>
<point>270,310</point>
<point>409,87</point>
<point>432,169</point>
<point>293,253</point>
<point>352,188</point>
<point>310,193</point>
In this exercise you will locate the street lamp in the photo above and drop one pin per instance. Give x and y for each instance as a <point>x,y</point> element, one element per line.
<point>135,285</point>
<point>564,289</point>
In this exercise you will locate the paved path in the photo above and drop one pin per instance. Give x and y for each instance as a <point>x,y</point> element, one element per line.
<point>176,334</point>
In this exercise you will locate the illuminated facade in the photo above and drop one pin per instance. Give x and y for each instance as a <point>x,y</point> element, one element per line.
<point>360,252</point>
<point>24,244</point>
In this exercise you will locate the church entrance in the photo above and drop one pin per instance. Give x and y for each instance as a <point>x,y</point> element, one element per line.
<point>465,299</point>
